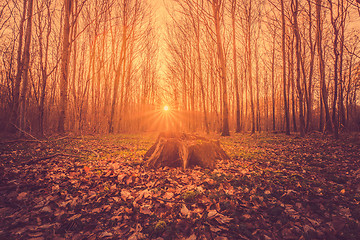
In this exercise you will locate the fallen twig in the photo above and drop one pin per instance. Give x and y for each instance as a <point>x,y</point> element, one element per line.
<point>97,154</point>
<point>88,150</point>
<point>9,187</point>
<point>49,157</point>
<point>27,133</point>
<point>18,140</point>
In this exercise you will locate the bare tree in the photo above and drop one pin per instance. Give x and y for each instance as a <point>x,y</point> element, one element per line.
<point>286,106</point>
<point>217,7</point>
<point>323,88</point>
<point>235,65</point>
<point>20,69</point>
<point>295,9</point>
<point>65,59</point>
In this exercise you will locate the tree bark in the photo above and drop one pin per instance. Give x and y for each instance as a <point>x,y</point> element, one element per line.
<point>120,68</point>
<point>65,59</point>
<point>201,81</point>
<point>236,78</point>
<point>175,149</point>
<point>248,50</point>
<point>44,66</point>
<point>20,67</point>
<point>323,89</point>
<point>273,86</point>
<point>26,62</point>
<point>286,106</point>
<point>216,5</point>
<point>336,69</point>
<point>311,72</point>
<point>298,67</point>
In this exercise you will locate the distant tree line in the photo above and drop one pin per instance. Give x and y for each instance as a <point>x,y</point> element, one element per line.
<point>93,66</point>
<point>82,66</point>
<point>290,66</point>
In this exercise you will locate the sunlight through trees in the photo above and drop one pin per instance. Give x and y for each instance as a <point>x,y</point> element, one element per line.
<point>96,66</point>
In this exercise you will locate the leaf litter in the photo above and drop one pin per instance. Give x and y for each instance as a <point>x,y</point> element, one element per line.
<point>274,187</point>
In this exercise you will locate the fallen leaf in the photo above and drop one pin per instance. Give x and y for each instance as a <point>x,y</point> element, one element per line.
<point>106,234</point>
<point>86,169</point>
<point>137,233</point>
<point>21,196</point>
<point>344,211</point>
<point>168,195</point>
<point>46,209</point>
<point>125,194</point>
<point>121,177</point>
<point>192,237</point>
<point>146,210</point>
<point>74,217</point>
<point>223,219</point>
<point>96,210</point>
<point>308,228</point>
<point>185,211</point>
<point>212,213</point>
<point>214,229</point>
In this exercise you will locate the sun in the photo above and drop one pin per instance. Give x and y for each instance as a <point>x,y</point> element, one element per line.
<point>166,108</point>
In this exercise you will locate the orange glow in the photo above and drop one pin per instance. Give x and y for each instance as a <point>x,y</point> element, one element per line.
<point>166,108</point>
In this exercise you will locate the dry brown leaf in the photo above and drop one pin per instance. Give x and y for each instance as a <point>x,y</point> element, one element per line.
<point>168,195</point>
<point>21,196</point>
<point>185,211</point>
<point>125,194</point>
<point>212,213</point>
<point>220,218</point>
<point>145,209</point>
<point>192,237</point>
<point>46,209</point>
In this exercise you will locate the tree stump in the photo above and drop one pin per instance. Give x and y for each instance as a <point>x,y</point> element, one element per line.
<point>175,149</point>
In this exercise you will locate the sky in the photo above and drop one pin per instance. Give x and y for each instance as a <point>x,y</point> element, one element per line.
<point>162,18</point>
<point>160,10</point>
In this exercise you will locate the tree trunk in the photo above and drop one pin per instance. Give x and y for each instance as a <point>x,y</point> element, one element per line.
<point>257,82</point>
<point>292,83</point>
<point>286,107</point>
<point>44,66</point>
<point>26,62</point>
<point>273,86</point>
<point>216,5</point>
<point>118,70</point>
<point>65,59</point>
<point>20,67</point>
<point>74,70</point>
<point>298,68</point>
<point>341,107</point>
<point>236,79</point>
<point>336,71</point>
<point>323,89</point>
<point>311,71</point>
<point>201,81</point>
<point>248,19</point>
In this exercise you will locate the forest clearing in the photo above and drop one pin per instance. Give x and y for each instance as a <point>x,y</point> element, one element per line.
<point>97,187</point>
<point>263,98</point>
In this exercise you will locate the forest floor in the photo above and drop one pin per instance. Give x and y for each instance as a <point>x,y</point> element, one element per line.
<point>96,187</point>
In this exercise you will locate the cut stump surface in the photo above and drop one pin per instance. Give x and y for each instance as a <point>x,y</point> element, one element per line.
<point>174,149</point>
